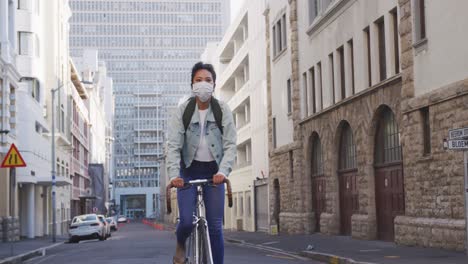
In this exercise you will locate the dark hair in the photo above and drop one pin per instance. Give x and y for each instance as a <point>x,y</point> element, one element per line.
<point>203,66</point>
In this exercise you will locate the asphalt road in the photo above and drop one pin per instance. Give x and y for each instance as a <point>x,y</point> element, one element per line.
<point>139,244</point>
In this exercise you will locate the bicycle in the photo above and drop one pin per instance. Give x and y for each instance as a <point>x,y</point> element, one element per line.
<point>199,247</point>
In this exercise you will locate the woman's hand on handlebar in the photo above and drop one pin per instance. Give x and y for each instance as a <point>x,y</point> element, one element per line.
<point>177,182</point>
<point>218,179</point>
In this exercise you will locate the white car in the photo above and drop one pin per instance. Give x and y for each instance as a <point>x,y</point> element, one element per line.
<point>112,223</point>
<point>84,227</point>
<point>106,225</point>
<point>122,219</point>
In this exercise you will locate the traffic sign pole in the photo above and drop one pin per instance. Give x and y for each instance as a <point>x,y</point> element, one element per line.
<point>12,191</point>
<point>53,169</point>
<point>465,163</point>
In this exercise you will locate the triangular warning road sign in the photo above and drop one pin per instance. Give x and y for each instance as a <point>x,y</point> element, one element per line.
<point>13,158</point>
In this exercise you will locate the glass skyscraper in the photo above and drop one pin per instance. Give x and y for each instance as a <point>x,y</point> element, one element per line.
<point>149,47</point>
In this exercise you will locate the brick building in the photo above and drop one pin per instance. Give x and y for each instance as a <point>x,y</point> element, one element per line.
<point>359,107</point>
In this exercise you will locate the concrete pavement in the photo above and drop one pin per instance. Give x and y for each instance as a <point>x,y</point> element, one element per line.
<point>343,249</point>
<point>26,249</point>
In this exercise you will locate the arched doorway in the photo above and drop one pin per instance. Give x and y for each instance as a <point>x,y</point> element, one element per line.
<point>347,175</point>
<point>318,181</point>
<point>389,188</point>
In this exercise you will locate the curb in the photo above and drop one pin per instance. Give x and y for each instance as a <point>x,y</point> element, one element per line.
<point>329,258</point>
<point>322,257</point>
<point>29,255</point>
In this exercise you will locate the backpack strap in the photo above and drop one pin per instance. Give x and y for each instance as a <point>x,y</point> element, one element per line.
<point>217,112</point>
<point>190,109</point>
<point>188,112</point>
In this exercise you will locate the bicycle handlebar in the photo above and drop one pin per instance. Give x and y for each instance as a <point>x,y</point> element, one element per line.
<point>196,182</point>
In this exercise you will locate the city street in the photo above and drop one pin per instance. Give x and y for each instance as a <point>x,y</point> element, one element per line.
<point>136,243</point>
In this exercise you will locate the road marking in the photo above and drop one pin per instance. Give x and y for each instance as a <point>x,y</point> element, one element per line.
<point>370,250</point>
<point>392,257</point>
<point>41,260</point>
<point>270,243</point>
<point>281,257</point>
<point>271,249</point>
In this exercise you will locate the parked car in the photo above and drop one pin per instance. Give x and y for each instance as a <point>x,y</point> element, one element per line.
<point>112,223</point>
<point>106,225</point>
<point>85,227</point>
<point>122,219</point>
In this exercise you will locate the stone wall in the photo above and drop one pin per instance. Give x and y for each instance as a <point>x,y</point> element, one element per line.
<point>362,112</point>
<point>363,227</point>
<point>430,232</point>
<point>434,182</point>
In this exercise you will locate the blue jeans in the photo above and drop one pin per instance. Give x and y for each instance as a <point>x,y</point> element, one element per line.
<point>214,205</point>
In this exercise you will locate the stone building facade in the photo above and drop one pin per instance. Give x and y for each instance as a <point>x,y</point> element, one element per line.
<point>368,119</point>
<point>433,102</point>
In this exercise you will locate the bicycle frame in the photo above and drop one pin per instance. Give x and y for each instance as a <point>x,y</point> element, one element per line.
<point>199,221</point>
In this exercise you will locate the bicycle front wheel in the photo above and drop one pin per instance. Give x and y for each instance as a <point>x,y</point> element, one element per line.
<point>204,246</point>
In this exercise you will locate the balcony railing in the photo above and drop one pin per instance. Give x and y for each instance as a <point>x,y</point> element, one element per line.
<point>149,140</point>
<point>148,152</point>
<point>148,128</point>
<point>147,164</point>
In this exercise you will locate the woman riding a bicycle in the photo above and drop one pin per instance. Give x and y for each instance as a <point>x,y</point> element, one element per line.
<point>201,145</point>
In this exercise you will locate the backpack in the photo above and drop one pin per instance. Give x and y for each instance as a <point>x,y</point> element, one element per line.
<point>190,109</point>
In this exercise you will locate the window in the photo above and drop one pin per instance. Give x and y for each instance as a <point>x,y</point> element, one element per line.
<point>382,57</point>
<point>312,90</point>
<point>420,20</point>
<point>332,77</point>
<point>62,119</point>
<point>396,48</point>
<point>25,4</point>
<point>314,7</point>
<point>317,163</point>
<point>351,62</point>
<point>283,32</point>
<point>26,43</point>
<point>306,94</point>
<point>274,132</point>
<point>368,55</point>
<point>279,36</point>
<point>35,89</point>
<point>347,149</point>
<point>319,74</point>
<point>426,126</point>
<point>289,96</point>
<point>388,139</point>
<point>340,52</point>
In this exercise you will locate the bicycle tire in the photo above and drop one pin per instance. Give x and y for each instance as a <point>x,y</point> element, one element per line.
<point>205,247</point>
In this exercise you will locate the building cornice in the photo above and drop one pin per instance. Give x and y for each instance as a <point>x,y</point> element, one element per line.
<point>351,99</point>
<point>329,16</point>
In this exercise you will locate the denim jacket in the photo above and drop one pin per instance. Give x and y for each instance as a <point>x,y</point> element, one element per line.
<point>222,146</point>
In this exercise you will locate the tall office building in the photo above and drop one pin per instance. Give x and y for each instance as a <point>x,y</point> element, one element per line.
<point>149,47</point>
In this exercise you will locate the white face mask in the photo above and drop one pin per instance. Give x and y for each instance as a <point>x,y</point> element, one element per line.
<point>203,90</point>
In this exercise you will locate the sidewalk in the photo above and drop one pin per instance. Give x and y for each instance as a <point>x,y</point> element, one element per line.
<point>26,248</point>
<point>342,249</point>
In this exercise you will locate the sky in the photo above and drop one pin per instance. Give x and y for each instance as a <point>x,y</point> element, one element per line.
<point>235,6</point>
